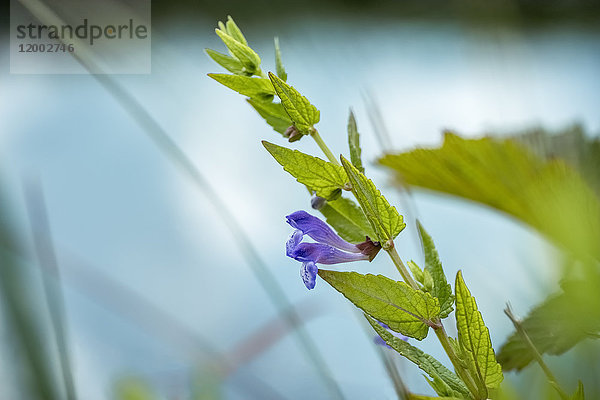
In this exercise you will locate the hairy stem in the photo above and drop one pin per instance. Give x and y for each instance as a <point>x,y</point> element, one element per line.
<point>460,370</point>
<point>402,268</point>
<point>315,135</point>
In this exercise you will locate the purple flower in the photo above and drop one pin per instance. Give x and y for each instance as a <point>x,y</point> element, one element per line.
<point>328,249</point>
<point>319,231</point>
<point>308,272</point>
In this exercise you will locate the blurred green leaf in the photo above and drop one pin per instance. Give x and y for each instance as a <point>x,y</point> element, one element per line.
<point>384,219</point>
<point>304,114</point>
<point>273,113</point>
<point>278,63</point>
<point>433,265</point>
<point>427,363</point>
<point>248,57</point>
<point>474,338</point>
<point>396,304</point>
<point>571,145</point>
<point>354,143</point>
<point>347,219</point>
<point>323,177</point>
<point>259,88</point>
<point>556,325</point>
<point>546,194</point>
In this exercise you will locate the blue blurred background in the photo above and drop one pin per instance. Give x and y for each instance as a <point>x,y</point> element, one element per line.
<point>142,253</point>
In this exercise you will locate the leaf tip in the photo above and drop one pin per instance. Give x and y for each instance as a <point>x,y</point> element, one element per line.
<point>267,145</point>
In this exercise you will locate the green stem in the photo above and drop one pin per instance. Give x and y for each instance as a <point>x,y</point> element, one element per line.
<point>440,332</point>
<point>315,135</point>
<point>402,268</point>
<point>460,370</point>
<point>261,74</point>
<point>536,354</point>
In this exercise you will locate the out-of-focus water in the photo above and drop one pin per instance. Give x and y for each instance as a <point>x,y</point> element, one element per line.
<point>117,205</point>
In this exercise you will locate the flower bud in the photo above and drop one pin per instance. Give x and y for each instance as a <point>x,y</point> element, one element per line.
<point>317,202</point>
<point>292,133</point>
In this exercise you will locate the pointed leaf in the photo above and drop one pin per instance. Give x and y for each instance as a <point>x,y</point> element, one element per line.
<point>304,114</point>
<point>259,88</point>
<point>384,219</point>
<point>474,338</point>
<point>318,175</point>
<point>234,31</point>
<point>416,272</point>
<point>396,304</point>
<point>248,57</point>
<point>278,63</point>
<point>354,143</point>
<point>427,363</point>
<point>433,265</point>
<point>273,113</point>
<point>231,64</point>
<point>347,219</point>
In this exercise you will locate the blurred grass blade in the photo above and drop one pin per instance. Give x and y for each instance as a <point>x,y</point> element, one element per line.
<point>46,257</point>
<point>21,321</point>
<point>136,309</point>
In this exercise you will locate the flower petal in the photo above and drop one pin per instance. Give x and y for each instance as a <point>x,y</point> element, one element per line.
<point>308,272</point>
<point>293,241</point>
<point>323,254</point>
<point>319,231</point>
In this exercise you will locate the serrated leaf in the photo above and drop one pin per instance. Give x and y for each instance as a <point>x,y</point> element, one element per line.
<point>229,63</point>
<point>304,114</point>
<point>384,219</point>
<point>474,338</point>
<point>323,177</point>
<point>396,304</point>
<point>273,114</point>
<point>259,88</point>
<point>427,363</point>
<point>234,31</point>
<point>433,265</point>
<point>278,62</point>
<point>547,194</point>
<point>354,143</point>
<point>557,324</point>
<point>248,57</point>
<point>578,395</point>
<point>578,149</point>
<point>347,219</point>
